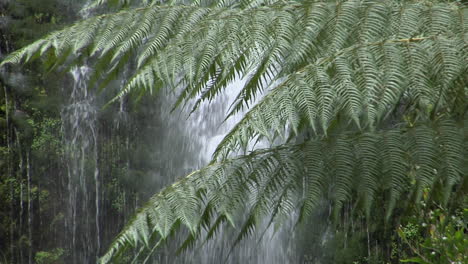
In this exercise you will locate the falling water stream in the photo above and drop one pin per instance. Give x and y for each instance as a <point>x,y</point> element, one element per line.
<point>205,129</point>
<point>79,128</point>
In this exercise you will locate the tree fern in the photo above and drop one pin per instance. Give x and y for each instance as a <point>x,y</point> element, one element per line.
<point>267,183</point>
<point>376,90</point>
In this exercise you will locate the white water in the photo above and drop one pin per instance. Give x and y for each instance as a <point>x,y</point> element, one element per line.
<point>79,128</point>
<point>200,133</point>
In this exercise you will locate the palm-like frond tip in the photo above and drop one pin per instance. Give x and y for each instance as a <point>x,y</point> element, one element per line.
<point>273,183</point>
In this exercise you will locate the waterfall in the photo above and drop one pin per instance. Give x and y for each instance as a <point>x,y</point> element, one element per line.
<point>79,128</point>
<point>188,141</point>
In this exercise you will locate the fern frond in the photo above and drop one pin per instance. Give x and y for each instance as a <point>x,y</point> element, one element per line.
<point>314,181</point>
<point>363,84</point>
<point>342,184</point>
<point>268,183</point>
<point>426,159</point>
<point>369,170</point>
<point>176,42</point>
<point>394,169</point>
<point>451,148</point>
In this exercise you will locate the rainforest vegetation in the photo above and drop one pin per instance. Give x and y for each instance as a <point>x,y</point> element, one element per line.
<point>350,130</point>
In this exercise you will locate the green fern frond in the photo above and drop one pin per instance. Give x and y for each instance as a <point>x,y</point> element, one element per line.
<point>451,148</point>
<point>176,42</point>
<point>363,84</point>
<point>394,169</point>
<point>369,170</point>
<point>314,179</point>
<point>269,183</point>
<point>342,183</point>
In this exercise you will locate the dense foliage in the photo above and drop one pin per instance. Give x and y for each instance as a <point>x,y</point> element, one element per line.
<point>30,138</point>
<point>363,103</point>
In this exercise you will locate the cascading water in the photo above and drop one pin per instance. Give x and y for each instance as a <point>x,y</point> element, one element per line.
<point>79,128</point>
<point>187,144</point>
